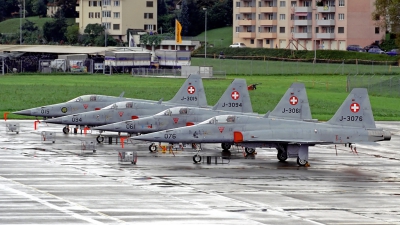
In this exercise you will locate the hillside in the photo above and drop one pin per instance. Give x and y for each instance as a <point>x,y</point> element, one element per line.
<point>12,25</point>
<point>221,37</point>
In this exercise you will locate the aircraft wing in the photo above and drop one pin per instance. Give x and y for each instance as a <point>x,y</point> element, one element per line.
<point>269,136</point>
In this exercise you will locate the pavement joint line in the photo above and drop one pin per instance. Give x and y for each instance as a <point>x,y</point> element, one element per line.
<point>50,205</point>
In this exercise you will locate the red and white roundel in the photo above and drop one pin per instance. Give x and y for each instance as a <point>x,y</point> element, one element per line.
<point>191,90</point>
<point>293,100</point>
<point>354,107</point>
<point>235,95</point>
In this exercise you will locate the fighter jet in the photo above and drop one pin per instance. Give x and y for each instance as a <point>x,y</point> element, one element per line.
<point>190,94</point>
<point>352,123</point>
<point>293,105</point>
<point>235,100</point>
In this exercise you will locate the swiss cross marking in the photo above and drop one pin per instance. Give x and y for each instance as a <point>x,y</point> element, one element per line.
<point>85,106</point>
<point>221,129</point>
<point>235,95</point>
<point>176,120</point>
<point>354,107</point>
<point>293,100</point>
<point>191,90</point>
<point>120,113</point>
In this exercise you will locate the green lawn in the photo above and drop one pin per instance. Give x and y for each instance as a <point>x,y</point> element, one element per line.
<point>12,25</point>
<point>221,37</point>
<point>326,93</point>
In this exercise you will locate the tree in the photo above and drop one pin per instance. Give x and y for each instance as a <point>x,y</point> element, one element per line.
<point>94,30</point>
<point>55,30</point>
<point>39,8</point>
<point>184,18</point>
<point>387,15</point>
<point>72,34</point>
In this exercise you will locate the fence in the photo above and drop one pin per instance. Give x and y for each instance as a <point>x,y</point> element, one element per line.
<point>67,66</point>
<point>384,85</point>
<point>240,65</point>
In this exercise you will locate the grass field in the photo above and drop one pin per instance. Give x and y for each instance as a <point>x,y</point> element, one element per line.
<point>12,25</point>
<point>270,67</point>
<point>326,93</point>
<point>221,37</point>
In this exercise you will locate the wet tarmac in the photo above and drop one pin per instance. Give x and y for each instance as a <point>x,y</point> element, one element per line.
<point>42,182</point>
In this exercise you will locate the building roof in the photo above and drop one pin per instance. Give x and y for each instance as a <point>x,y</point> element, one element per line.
<point>57,49</point>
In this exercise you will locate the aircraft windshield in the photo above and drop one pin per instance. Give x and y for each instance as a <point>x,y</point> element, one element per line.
<point>220,119</point>
<point>173,111</point>
<point>84,98</point>
<point>120,105</point>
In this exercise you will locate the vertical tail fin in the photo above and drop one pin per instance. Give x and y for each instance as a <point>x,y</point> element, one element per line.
<point>191,93</point>
<point>236,98</point>
<point>293,105</point>
<point>355,111</point>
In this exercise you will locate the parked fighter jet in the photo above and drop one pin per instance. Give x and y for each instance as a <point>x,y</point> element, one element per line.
<point>352,123</point>
<point>293,105</point>
<point>235,100</point>
<point>190,94</point>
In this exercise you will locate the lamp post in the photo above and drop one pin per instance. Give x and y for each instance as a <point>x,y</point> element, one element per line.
<point>205,35</point>
<point>20,24</point>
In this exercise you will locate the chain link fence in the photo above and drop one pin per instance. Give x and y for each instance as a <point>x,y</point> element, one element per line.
<point>383,85</point>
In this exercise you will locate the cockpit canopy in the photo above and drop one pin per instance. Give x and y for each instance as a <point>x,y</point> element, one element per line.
<point>120,105</point>
<point>85,98</point>
<point>173,111</point>
<point>220,119</point>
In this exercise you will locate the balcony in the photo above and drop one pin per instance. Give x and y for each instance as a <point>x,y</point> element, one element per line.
<point>247,35</point>
<point>247,22</point>
<point>325,36</point>
<point>268,9</point>
<point>325,22</point>
<point>302,35</point>
<point>266,35</point>
<point>268,22</point>
<point>302,22</point>
<point>247,9</point>
<point>326,9</point>
<point>302,9</point>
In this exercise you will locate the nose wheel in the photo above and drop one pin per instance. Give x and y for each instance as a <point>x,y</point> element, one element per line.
<point>65,130</point>
<point>249,150</point>
<point>282,156</point>
<point>196,158</point>
<point>153,147</point>
<point>100,139</point>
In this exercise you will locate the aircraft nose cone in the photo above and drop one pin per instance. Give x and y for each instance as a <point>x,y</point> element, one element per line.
<point>26,112</point>
<point>54,120</point>
<point>147,137</point>
<point>105,127</point>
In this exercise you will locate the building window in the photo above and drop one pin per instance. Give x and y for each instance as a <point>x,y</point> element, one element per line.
<point>293,3</point>
<point>116,15</point>
<point>107,14</point>
<point>106,2</point>
<point>90,15</point>
<point>237,4</point>
<point>291,16</point>
<point>341,16</point>
<point>90,3</point>
<point>148,15</point>
<point>237,29</point>
<point>267,42</point>
<point>376,30</point>
<point>341,3</point>
<point>149,4</point>
<point>150,27</point>
<point>100,3</point>
<point>115,26</point>
<point>282,16</point>
<point>97,15</point>
<point>95,3</point>
<point>341,30</point>
<point>107,25</point>
<point>252,41</point>
<point>292,30</point>
<point>116,3</point>
<point>282,4</point>
<point>282,30</point>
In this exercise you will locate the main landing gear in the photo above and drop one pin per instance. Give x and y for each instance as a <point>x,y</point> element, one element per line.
<point>196,157</point>
<point>226,146</point>
<point>100,139</point>
<point>249,150</point>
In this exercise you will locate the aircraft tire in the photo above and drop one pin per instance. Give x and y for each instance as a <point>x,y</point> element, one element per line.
<point>65,130</point>
<point>249,150</point>
<point>152,147</point>
<point>196,158</point>
<point>282,156</point>
<point>100,139</point>
<point>301,162</point>
<point>226,146</point>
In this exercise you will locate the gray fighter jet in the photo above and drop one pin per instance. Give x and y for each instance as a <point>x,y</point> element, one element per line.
<point>190,94</point>
<point>352,123</point>
<point>293,105</point>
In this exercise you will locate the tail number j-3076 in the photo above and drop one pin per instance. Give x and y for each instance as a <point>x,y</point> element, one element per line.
<point>351,118</point>
<point>169,136</point>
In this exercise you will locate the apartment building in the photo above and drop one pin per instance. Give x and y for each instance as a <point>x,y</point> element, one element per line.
<point>118,15</point>
<point>305,24</point>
